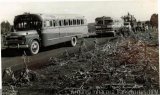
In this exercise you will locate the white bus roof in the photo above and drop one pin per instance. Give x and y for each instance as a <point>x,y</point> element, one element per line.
<point>61,16</point>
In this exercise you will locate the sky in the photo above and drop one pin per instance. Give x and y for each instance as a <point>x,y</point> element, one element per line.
<point>141,9</point>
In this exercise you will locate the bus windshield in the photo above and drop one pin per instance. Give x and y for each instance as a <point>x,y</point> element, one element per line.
<point>126,23</point>
<point>99,22</point>
<point>27,23</point>
<point>108,22</point>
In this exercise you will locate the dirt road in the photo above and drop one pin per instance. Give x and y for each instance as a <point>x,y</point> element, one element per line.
<point>14,59</point>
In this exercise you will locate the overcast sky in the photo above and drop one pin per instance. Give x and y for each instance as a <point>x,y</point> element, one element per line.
<point>141,9</point>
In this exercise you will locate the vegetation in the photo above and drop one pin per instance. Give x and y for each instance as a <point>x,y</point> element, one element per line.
<point>121,65</point>
<point>154,20</point>
<point>5,27</point>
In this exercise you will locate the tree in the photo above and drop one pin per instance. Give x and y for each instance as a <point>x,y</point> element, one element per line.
<point>154,20</point>
<point>5,27</point>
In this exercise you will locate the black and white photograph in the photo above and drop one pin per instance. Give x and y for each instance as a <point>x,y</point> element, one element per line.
<point>108,47</point>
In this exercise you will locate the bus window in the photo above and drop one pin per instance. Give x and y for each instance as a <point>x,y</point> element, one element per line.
<point>82,21</point>
<point>65,22</point>
<point>50,23</point>
<point>47,24</point>
<point>20,25</point>
<point>25,25</point>
<point>28,23</point>
<point>74,22</point>
<point>54,23</point>
<point>99,22</point>
<point>60,23</point>
<point>70,22</point>
<point>78,21</point>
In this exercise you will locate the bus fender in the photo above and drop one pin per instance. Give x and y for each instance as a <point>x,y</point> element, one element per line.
<point>37,39</point>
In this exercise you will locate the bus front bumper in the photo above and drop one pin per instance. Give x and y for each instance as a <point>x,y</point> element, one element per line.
<point>104,32</point>
<point>16,46</point>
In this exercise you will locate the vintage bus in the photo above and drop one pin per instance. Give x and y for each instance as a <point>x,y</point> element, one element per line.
<point>105,25</point>
<point>32,31</point>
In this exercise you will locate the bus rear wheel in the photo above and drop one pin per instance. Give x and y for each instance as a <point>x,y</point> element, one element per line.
<point>73,41</point>
<point>34,47</point>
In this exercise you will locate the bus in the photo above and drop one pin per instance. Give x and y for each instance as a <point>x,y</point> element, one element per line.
<point>33,31</point>
<point>105,25</point>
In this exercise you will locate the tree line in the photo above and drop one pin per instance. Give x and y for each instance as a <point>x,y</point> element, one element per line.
<point>154,20</point>
<point>5,27</point>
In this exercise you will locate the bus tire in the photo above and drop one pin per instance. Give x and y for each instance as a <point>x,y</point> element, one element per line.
<point>73,41</point>
<point>34,47</point>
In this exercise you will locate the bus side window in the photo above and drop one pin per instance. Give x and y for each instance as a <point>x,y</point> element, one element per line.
<point>66,22</point>
<point>82,21</point>
<point>57,22</point>
<point>46,23</point>
<point>50,22</point>
<point>78,22</point>
<point>25,24</point>
<point>69,22</point>
<point>20,25</point>
<point>54,23</point>
<point>60,23</point>
<point>74,22</point>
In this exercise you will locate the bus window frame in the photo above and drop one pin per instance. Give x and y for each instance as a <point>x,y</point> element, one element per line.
<point>63,22</point>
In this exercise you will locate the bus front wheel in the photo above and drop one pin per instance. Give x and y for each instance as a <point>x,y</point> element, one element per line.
<point>73,41</point>
<point>34,47</point>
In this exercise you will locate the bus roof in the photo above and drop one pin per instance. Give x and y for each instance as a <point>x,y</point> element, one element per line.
<point>55,16</point>
<point>103,18</point>
<point>61,16</point>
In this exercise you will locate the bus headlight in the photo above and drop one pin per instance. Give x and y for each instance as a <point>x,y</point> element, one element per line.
<point>98,26</point>
<point>109,26</point>
<point>22,39</point>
